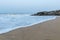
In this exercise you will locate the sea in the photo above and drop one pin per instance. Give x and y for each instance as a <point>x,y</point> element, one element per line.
<point>9,22</point>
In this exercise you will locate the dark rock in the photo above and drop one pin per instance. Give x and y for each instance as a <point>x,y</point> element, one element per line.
<point>57,12</point>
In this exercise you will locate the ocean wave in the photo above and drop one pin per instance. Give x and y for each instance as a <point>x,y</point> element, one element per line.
<point>12,22</point>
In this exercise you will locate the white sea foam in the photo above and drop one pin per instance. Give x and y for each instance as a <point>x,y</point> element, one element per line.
<point>30,20</point>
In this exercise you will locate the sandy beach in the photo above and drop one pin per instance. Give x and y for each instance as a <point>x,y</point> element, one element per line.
<point>49,30</point>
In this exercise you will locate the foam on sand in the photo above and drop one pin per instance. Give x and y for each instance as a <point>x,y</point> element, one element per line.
<point>10,29</point>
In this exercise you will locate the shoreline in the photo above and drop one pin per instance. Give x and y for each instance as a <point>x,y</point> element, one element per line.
<point>48,30</point>
<point>28,25</point>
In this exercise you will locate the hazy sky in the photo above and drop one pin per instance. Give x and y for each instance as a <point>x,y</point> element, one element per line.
<point>12,6</point>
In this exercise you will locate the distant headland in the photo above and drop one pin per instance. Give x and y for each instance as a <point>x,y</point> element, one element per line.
<point>48,13</point>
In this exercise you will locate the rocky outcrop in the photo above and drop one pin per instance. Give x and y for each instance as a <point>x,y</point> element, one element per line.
<point>57,12</point>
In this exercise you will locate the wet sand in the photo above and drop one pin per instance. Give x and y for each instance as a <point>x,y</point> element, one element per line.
<point>49,30</point>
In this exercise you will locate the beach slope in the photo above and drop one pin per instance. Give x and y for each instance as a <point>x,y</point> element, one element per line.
<point>49,30</point>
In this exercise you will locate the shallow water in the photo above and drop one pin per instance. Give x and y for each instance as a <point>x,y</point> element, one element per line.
<point>11,22</point>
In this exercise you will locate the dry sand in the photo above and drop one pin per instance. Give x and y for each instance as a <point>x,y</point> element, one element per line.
<point>49,30</point>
